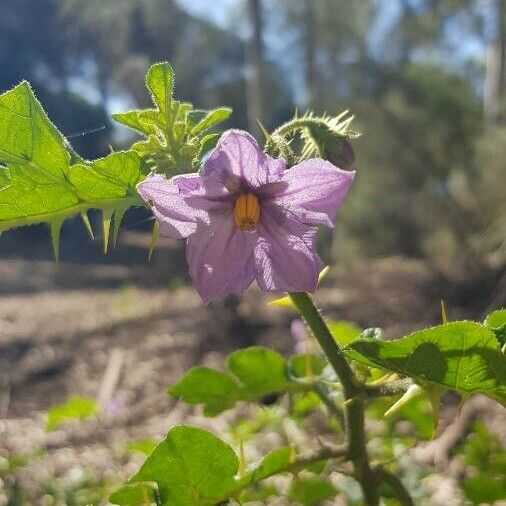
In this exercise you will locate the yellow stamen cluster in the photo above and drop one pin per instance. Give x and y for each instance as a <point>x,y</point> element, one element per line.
<point>246,211</point>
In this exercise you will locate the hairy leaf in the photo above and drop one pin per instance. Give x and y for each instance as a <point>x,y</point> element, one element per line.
<point>463,356</point>
<point>176,133</point>
<point>210,119</point>
<point>39,182</point>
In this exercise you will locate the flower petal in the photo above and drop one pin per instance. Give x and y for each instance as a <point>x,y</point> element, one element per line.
<point>220,258</point>
<point>313,191</point>
<point>285,255</point>
<point>177,218</point>
<point>239,163</point>
<point>203,193</point>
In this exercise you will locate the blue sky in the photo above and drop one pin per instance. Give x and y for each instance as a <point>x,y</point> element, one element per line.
<point>227,12</point>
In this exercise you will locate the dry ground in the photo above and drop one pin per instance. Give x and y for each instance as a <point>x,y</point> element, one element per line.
<point>61,325</point>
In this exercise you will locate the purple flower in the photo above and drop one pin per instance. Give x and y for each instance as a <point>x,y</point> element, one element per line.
<point>247,217</point>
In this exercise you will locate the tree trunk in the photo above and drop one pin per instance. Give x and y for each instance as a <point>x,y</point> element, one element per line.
<point>254,65</point>
<point>310,51</point>
<point>494,85</point>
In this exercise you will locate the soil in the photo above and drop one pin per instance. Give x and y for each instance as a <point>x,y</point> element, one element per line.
<point>63,325</point>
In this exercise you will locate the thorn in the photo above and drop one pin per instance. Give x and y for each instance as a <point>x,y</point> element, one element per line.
<point>411,392</point>
<point>264,131</point>
<point>106,227</point>
<point>154,239</point>
<point>54,230</point>
<point>87,225</point>
<point>444,316</point>
<point>118,218</point>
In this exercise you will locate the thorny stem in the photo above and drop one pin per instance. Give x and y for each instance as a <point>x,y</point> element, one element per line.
<point>354,396</point>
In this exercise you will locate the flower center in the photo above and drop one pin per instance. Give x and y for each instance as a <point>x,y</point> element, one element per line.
<point>246,211</point>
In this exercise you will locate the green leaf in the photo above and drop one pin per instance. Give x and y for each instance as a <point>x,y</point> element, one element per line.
<point>195,116</point>
<point>160,81</point>
<point>253,373</point>
<point>274,462</point>
<point>260,370</point>
<point>208,143</point>
<point>75,408</point>
<point>210,119</point>
<point>175,132</point>
<point>303,404</point>
<point>216,391</point>
<point>344,332</point>
<point>496,321</point>
<point>483,489</point>
<point>279,461</point>
<point>38,181</point>
<point>191,467</point>
<point>112,177</point>
<point>145,446</point>
<point>462,356</point>
<point>144,121</point>
<point>306,364</point>
<point>260,494</point>
<point>311,490</point>
<point>144,493</point>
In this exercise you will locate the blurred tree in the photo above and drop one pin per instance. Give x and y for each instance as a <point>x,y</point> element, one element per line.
<point>33,46</point>
<point>495,76</point>
<point>409,82</point>
<point>430,174</point>
<point>254,64</point>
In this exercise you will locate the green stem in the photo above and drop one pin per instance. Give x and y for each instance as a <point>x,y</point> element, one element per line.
<point>396,485</point>
<point>353,397</point>
<point>322,392</point>
<point>294,466</point>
